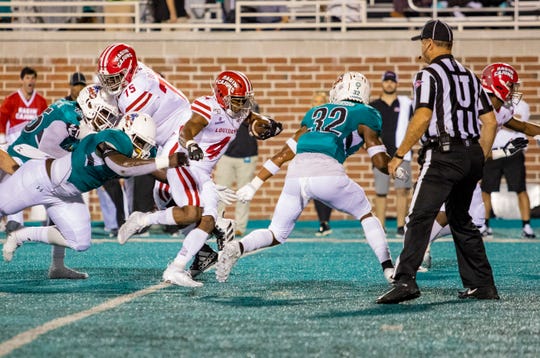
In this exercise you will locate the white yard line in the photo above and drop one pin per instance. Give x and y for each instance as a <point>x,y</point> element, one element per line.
<point>29,336</point>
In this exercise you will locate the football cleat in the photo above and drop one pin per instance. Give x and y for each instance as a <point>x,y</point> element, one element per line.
<point>204,260</point>
<point>224,231</point>
<point>526,233</point>
<point>133,225</point>
<point>389,274</point>
<point>179,277</point>
<point>12,226</point>
<point>12,243</point>
<point>226,260</point>
<point>66,273</point>
<point>402,291</point>
<point>486,231</point>
<point>480,293</point>
<point>324,230</point>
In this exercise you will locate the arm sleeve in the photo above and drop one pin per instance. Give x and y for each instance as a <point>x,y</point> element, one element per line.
<point>52,138</point>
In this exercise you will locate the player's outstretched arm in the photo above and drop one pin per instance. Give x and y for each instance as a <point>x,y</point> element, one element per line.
<point>128,167</point>
<point>270,167</point>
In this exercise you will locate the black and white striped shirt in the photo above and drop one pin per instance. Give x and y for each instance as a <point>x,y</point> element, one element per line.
<point>454,94</point>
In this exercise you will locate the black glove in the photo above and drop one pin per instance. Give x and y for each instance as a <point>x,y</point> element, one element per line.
<point>265,127</point>
<point>194,151</point>
<point>516,145</point>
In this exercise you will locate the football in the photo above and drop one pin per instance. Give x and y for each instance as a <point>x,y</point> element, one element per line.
<point>262,127</point>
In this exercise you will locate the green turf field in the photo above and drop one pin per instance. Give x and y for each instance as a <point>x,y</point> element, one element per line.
<point>310,297</point>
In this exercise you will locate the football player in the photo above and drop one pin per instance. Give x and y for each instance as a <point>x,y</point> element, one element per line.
<point>501,82</point>
<point>204,138</point>
<point>54,134</point>
<point>58,184</point>
<point>329,134</point>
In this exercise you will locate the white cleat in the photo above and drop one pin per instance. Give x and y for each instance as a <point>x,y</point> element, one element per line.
<point>226,260</point>
<point>10,246</point>
<point>133,224</point>
<point>389,274</point>
<point>179,277</point>
<point>224,231</point>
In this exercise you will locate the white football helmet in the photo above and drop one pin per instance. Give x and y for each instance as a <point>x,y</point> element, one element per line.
<point>98,107</point>
<point>351,86</point>
<point>141,129</point>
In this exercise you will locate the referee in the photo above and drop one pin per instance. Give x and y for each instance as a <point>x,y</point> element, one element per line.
<point>456,124</point>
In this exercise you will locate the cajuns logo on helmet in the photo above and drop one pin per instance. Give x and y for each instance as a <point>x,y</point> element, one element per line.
<point>122,56</point>
<point>504,70</point>
<point>228,82</point>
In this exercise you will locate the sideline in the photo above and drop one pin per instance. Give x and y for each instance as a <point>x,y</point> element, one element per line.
<point>24,338</point>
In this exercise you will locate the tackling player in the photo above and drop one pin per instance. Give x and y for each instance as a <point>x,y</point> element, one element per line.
<point>55,133</point>
<point>329,134</point>
<point>58,184</point>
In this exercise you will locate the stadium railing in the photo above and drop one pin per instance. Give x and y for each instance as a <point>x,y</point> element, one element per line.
<point>309,15</point>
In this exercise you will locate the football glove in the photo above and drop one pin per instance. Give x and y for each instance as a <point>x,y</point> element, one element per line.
<point>514,146</point>
<point>265,128</point>
<point>247,192</point>
<point>225,195</point>
<point>194,151</point>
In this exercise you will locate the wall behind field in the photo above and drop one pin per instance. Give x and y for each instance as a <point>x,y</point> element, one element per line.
<point>285,68</point>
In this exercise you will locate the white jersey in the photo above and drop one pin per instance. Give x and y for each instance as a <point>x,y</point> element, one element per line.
<point>216,137</point>
<point>150,93</point>
<point>505,135</point>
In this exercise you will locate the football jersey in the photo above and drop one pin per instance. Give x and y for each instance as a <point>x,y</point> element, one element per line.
<point>89,170</point>
<point>58,123</point>
<point>150,93</point>
<point>333,129</point>
<point>16,112</point>
<point>216,137</point>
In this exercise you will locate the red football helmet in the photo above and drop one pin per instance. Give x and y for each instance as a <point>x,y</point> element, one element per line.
<point>234,93</point>
<point>502,80</point>
<point>116,67</point>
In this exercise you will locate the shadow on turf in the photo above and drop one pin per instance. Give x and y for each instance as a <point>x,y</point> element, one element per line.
<point>103,280</point>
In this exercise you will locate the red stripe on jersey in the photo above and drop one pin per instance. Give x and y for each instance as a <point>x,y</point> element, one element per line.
<point>140,102</point>
<point>202,109</point>
<point>163,192</point>
<point>190,186</point>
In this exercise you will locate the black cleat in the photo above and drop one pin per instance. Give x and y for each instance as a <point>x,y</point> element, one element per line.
<point>480,293</point>
<point>205,258</point>
<point>402,291</point>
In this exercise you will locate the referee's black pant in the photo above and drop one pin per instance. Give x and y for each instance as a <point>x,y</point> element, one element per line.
<point>447,178</point>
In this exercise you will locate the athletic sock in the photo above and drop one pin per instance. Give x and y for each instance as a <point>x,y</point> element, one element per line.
<point>192,244</point>
<point>376,238</point>
<point>257,239</point>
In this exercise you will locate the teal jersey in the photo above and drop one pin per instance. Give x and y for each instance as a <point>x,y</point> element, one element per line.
<point>333,128</point>
<point>89,170</point>
<point>66,135</point>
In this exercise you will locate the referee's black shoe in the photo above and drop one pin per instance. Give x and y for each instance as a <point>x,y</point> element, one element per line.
<point>480,293</point>
<point>403,290</point>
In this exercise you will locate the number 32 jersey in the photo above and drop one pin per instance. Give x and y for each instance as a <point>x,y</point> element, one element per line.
<point>333,129</point>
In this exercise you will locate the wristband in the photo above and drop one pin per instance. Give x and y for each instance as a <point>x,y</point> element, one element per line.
<point>162,162</point>
<point>271,166</point>
<point>376,149</point>
<point>398,156</point>
<point>190,142</point>
<point>257,183</point>
<point>291,143</point>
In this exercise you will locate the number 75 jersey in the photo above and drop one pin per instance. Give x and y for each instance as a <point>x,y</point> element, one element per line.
<point>333,129</point>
